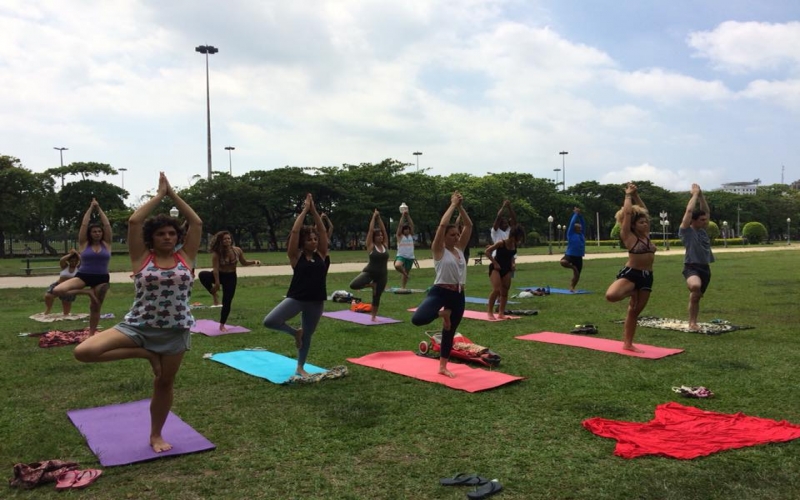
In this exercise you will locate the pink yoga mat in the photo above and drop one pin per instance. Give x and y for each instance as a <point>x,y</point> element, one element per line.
<point>479,315</point>
<point>419,367</point>
<point>210,328</point>
<point>598,344</point>
<point>360,318</point>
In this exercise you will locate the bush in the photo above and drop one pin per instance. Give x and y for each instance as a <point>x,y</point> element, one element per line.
<point>755,232</point>
<point>713,230</point>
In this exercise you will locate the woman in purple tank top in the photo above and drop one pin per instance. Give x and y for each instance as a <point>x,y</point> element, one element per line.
<point>94,247</point>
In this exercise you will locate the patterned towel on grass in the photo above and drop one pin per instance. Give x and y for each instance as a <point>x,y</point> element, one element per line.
<point>713,327</point>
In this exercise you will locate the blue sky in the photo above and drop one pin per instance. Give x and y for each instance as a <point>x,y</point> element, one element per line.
<point>672,92</point>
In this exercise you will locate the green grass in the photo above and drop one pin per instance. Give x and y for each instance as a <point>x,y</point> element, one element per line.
<point>376,435</point>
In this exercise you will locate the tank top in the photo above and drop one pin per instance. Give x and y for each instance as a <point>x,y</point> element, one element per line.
<point>505,257</point>
<point>405,247</point>
<point>162,295</point>
<point>66,273</point>
<point>95,262</point>
<point>377,261</point>
<point>309,278</point>
<point>451,270</point>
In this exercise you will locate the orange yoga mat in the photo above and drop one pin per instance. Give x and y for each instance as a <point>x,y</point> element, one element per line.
<point>598,344</point>
<point>419,367</point>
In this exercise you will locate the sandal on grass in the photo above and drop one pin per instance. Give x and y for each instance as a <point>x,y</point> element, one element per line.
<point>693,392</point>
<point>462,479</point>
<point>486,490</point>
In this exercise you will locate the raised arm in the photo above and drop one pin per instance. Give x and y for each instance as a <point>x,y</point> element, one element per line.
<point>136,246</point>
<point>627,211</point>
<point>399,232</point>
<point>87,218</point>
<point>410,222</point>
<point>512,216</point>
<point>322,248</point>
<point>329,226</point>
<point>499,215</point>
<point>293,247</point>
<point>371,231</point>
<point>576,218</point>
<point>687,215</point>
<point>107,237</point>
<point>466,226</point>
<point>383,230</point>
<point>191,242</point>
<point>437,247</point>
<point>704,204</point>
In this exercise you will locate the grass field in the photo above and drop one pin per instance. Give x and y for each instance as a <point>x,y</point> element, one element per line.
<point>376,435</point>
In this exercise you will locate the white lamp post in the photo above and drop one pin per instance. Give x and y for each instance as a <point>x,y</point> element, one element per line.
<point>558,226</point>
<point>788,231</point>
<point>173,212</point>
<point>403,208</point>
<point>725,233</point>
<point>550,235</point>
<point>664,225</point>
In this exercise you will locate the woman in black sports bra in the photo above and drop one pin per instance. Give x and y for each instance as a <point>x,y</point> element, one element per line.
<point>635,280</point>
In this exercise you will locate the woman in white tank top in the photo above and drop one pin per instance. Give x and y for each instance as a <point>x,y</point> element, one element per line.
<point>69,268</point>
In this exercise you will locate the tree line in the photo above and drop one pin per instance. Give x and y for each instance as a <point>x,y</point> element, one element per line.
<point>258,207</point>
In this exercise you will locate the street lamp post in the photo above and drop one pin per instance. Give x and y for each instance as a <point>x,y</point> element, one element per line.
<point>664,226</point>
<point>122,175</point>
<point>174,211</point>
<point>417,154</point>
<point>557,170</point>
<point>564,169</point>
<point>61,154</point>
<point>725,233</point>
<point>208,49</point>
<point>230,161</point>
<point>559,235</point>
<point>788,231</point>
<point>550,235</point>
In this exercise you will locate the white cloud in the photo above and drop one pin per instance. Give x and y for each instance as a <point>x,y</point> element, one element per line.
<point>786,93</point>
<point>661,86</point>
<point>671,179</point>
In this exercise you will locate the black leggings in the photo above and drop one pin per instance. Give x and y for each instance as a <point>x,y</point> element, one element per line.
<point>227,282</point>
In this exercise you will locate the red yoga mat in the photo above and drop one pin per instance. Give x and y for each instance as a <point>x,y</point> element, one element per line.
<point>598,344</point>
<point>419,367</point>
<point>479,315</point>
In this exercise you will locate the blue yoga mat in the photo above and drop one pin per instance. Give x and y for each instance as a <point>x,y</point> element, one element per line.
<point>563,291</point>
<point>482,300</point>
<point>264,364</point>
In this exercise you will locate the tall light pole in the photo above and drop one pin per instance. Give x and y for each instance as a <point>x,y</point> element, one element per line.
<point>208,49</point>
<point>738,227</point>
<point>788,231</point>
<point>417,154</point>
<point>61,154</point>
<point>725,233</point>
<point>564,168</point>
<point>122,175</point>
<point>664,225</point>
<point>230,161</point>
<point>550,235</point>
<point>557,170</point>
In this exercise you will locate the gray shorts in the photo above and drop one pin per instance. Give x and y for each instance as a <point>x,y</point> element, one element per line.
<point>167,341</point>
<point>64,298</point>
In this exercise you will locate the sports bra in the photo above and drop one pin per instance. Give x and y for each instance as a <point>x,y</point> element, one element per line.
<point>642,246</point>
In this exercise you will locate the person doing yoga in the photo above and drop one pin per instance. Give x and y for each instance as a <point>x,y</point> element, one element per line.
<point>69,268</point>
<point>308,255</point>
<point>501,258</point>
<point>157,326</point>
<point>698,257</point>
<point>224,256</point>
<point>576,247</point>
<point>445,298</point>
<point>635,280</point>
<point>405,247</point>
<point>375,275</point>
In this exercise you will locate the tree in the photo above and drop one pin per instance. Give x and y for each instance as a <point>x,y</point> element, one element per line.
<point>17,185</point>
<point>75,197</point>
<point>755,232</point>
<point>83,169</point>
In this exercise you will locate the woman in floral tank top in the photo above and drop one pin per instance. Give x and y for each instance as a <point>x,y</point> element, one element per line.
<point>157,326</point>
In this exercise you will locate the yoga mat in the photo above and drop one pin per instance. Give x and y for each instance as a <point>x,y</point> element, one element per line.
<point>598,344</point>
<point>210,328</point>
<point>359,318</point>
<point>120,434</point>
<point>484,301</point>
<point>560,291</point>
<point>419,367</point>
<point>276,368</point>
<point>714,327</point>
<point>49,318</point>
<point>405,290</point>
<point>479,315</point>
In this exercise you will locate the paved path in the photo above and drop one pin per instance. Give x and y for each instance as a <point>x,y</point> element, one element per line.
<point>354,267</point>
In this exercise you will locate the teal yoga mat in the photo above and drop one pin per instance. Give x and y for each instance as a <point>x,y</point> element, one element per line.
<point>561,291</point>
<point>264,364</point>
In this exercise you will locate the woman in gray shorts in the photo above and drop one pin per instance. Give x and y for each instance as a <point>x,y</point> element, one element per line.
<point>157,326</point>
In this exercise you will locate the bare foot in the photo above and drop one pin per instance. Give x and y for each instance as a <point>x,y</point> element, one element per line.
<point>159,445</point>
<point>445,315</point>
<point>501,316</point>
<point>694,327</point>
<point>490,315</point>
<point>632,348</point>
<point>374,319</point>
<point>446,372</point>
<point>298,338</point>
<point>222,328</point>
<point>300,371</point>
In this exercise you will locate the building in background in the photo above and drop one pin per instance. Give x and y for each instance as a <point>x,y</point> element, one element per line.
<point>741,187</point>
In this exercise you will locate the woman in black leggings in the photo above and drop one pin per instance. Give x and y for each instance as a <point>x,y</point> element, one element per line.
<point>224,256</point>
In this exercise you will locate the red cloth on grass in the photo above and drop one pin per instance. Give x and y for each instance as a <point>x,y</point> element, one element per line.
<point>686,432</point>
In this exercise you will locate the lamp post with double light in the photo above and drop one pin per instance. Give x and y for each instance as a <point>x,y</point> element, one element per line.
<point>725,233</point>
<point>61,155</point>
<point>564,169</point>
<point>208,49</point>
<point>664,227</point>
<point>230,160</point>
<point>122,176</point>
<point>557,170</point>
<point>550,235</point>
<point>417,154</point>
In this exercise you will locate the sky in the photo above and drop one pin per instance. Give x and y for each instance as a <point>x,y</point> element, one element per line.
<point>676,92</point>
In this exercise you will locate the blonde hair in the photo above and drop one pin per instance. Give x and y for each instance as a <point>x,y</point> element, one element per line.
<point>637,212</point>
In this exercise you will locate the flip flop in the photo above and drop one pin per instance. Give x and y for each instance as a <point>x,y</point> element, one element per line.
<point>66,479</point>
<point>462,479</point>
<point>486,490</point>
<point>85,478</point>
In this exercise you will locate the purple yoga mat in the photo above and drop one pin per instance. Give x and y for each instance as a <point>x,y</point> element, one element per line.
<point>210,328</point>
<point>360,318</point>
<point>120,434</point>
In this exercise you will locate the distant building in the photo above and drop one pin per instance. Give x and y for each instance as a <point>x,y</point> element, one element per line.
<point>741,187</point>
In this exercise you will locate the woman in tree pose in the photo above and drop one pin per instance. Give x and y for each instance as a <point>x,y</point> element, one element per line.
<point>308,255</point>
<point>94,244</point>
<point>224,256</point>
<point>375,274</point>
<point>157,326</point>
<point>69,268</point>
<point>446,297</point>
<point>405,247</point>
<point>501,258</point>
<point>576,247</point>
<point>635,280</point>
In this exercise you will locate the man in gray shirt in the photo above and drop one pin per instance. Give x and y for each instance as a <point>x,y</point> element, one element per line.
<point>695,239</point>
